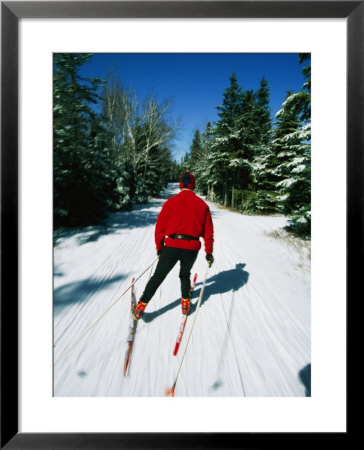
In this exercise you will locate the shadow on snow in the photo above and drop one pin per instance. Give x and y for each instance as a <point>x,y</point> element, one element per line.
<point>79,291</point>
<point>305,378</point>
<point>141,216</point>
<point>226,281</point>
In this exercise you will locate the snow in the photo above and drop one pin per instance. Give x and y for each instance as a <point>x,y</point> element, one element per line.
<point>252,333</point>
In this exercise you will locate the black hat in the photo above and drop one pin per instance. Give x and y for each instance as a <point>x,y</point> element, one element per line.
<point>187,180</point>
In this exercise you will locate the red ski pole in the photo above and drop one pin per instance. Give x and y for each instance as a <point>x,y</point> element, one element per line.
<point>170,392</point>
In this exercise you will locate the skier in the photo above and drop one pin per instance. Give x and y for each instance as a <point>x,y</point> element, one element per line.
<point>184,218</point>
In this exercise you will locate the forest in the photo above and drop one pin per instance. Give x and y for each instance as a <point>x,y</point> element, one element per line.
<point>113,149</point>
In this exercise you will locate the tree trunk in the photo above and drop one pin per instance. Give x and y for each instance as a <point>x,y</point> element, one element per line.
<point>212,194</point>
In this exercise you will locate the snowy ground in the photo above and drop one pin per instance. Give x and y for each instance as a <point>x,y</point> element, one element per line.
<point>252,332</point>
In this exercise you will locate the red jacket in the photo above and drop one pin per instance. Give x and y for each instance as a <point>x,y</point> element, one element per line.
<point>184,213</point>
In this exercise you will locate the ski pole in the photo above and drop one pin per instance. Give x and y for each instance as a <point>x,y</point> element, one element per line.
<point>170,392</point>
<point>103,314</point>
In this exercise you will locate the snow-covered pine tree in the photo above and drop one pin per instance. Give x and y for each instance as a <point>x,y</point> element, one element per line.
<point>225,162</point>
<point>204,182</point>
<point>262,113</point>
<point>272,166</point>
<point>196,149</point>
<point>186,162</point>
<point>103,172</point>
<point>241,133</point>
<point>218,169</point>
<point>196,159</point>
<point>81,145</point>
<point>255,130</point>
<point>175,171</point>
<point>230,109</point>
<point>301,101</point>
<point>297,186</point>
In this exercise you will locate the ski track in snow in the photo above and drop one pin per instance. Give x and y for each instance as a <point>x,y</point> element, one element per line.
<point>251,336</point>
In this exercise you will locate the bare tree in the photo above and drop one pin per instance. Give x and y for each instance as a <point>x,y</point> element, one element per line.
<point>137,128</point>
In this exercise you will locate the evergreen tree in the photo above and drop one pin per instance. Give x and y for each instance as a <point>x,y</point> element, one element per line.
<point>186,162</point>
<point>297,186</point>
<point>242,158</point>
<point>248,127</point>
<point>230,108</point>
<point>275,165</point>
<point>301,101</point>
<point>200,168</point>
<point>225,163</point>
<point>82,179</point>
<point>263,113</point>
<point>175,171</point>
<point>196,149</point>
<point>255,135</point>
<point>241,133</point>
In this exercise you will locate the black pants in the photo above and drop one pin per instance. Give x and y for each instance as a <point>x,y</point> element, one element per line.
<point>168,259</point>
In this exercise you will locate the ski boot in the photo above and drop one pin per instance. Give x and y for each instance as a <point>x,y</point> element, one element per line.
<point>139,310</point>
<point>186,305</point>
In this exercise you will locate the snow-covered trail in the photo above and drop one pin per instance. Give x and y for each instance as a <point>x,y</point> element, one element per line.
<point>252,333</point>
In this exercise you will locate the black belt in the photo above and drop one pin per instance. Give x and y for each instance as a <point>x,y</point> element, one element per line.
<point>184,236</point>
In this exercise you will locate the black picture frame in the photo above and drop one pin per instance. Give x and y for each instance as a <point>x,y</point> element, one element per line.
<point>11,12</point>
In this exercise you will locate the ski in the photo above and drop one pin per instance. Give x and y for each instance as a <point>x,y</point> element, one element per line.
<point>170,392</point>
<point>132,330</point>
<point>184,320</point>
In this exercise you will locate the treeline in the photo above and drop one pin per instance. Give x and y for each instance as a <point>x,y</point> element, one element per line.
<point>246,161</point>
<point>108,160</point>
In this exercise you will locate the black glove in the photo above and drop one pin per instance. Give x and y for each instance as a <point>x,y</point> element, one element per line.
<point>210,259</point>
<point>159,252</point>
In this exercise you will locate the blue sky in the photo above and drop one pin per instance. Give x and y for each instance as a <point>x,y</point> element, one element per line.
<point>196,81</point>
